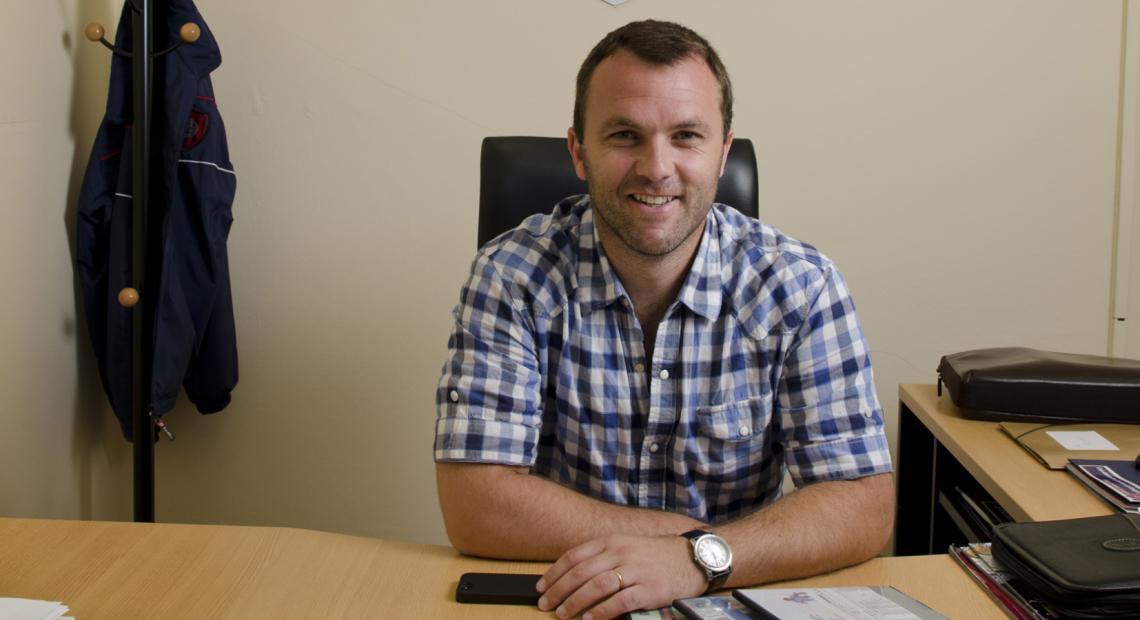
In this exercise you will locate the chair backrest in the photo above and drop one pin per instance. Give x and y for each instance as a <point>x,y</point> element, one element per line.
<point>524,175</point>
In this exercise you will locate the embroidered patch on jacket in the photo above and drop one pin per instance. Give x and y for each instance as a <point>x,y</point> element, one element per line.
<point>195,129</point>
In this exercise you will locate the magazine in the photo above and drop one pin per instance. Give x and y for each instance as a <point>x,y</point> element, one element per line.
<point>1011,594</point>
<point>848,603</point>
<point>1116,482</point>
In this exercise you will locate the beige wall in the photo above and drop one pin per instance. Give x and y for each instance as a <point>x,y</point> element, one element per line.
<point>1131,325</point>
<point>58,452</point>
<point>1127,300</point>
<point>956,159</point>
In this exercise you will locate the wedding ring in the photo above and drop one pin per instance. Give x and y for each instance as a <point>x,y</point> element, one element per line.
<point>621,582</point>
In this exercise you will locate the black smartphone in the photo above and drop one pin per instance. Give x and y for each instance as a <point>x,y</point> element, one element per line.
<point>497,589</point>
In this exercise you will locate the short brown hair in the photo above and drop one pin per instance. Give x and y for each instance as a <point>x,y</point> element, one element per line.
<point>658,43</point>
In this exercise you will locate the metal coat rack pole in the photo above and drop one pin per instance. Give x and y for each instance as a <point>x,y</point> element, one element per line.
<point>143,241</point>
<point>142,63</point>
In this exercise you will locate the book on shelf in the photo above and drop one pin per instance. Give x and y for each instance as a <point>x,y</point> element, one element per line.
<point>981,511</point>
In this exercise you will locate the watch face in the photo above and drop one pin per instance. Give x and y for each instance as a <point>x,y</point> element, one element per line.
<point>713,553</point>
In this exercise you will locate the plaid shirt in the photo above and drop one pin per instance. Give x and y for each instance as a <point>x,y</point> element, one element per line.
<point>759,364</point>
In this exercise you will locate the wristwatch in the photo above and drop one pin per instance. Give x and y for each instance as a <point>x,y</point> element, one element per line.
<point>712,555</point>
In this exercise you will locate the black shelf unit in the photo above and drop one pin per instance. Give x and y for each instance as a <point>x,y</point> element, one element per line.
<point>939,503</point>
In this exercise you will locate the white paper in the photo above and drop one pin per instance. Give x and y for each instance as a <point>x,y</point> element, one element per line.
<point>29,609</point>
<point>1081,440</point>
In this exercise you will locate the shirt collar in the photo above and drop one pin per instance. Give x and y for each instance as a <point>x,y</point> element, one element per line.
<point>702,290</point>
<point>598,285</point>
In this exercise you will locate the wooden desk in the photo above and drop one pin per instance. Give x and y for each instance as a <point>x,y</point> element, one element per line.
<point>137,570</point>
<point>938,449</point>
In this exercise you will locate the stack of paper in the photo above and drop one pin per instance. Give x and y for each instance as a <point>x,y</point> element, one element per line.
<point>28,609</point>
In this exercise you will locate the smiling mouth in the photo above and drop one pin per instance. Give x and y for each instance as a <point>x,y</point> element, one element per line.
<point>652,201</point>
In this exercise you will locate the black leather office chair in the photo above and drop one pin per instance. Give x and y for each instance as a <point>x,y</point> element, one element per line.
<point>524,175</point>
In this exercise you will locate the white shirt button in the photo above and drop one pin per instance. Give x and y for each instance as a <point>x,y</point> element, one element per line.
<point>744,430</point>
<point>654,448</point>
<point>454,396</point>
<point>664,374</point>
<point>639,367</point>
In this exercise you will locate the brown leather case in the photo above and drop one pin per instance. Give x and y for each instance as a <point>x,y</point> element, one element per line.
<point>1028,385</point>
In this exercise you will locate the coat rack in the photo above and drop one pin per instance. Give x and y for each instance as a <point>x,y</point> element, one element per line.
<point>134,297</point>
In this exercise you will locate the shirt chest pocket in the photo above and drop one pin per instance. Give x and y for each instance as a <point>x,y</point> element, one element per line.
<point>732,441</point>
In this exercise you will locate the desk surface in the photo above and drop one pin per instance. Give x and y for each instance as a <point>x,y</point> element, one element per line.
<point>132,570</point>
<point>1024,487</point>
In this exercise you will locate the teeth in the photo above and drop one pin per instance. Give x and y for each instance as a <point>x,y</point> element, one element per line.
<point>654,201</point>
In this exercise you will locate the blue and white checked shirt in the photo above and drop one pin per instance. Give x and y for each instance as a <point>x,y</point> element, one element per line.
<point>759,364</point>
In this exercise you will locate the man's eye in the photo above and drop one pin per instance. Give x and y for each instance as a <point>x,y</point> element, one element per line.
<point>623,136</point>
<point>687,136</point>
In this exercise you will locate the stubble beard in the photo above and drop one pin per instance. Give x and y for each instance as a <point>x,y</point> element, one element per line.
<point>608,208</point>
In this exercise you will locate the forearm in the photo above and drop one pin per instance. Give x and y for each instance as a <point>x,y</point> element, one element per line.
<point>504,512</point>
<point>818,528</point>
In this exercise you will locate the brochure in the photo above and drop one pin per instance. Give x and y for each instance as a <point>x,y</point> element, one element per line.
<point>865,603</point>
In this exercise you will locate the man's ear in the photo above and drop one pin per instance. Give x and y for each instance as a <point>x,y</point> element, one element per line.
<point>724,155</point>
<point>575,147</point>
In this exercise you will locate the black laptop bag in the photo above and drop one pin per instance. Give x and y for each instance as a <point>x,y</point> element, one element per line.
<point>1027,385</point>
<point>1084,568</point>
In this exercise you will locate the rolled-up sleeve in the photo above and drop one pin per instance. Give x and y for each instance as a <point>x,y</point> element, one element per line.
<point>488,405</point>
<point>830,418</point>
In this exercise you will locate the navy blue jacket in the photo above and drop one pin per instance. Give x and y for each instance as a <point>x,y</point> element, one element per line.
<point>192,197</point>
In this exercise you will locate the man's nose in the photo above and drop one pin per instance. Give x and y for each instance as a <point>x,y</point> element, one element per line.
<point>655,162</point>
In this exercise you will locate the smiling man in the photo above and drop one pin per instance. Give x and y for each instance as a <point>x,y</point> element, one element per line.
<point>631,376</point>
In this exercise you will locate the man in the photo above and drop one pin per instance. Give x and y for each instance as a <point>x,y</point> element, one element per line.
<point>630,376</point>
